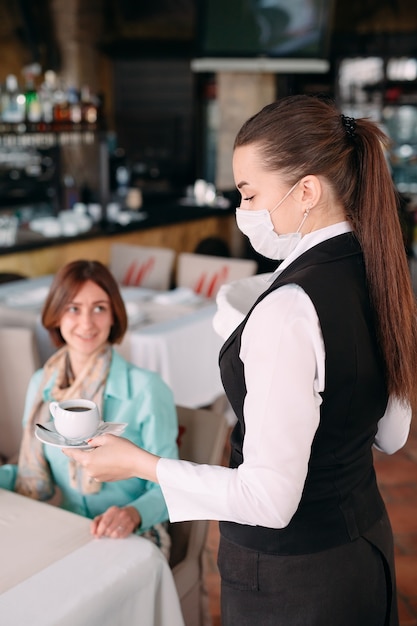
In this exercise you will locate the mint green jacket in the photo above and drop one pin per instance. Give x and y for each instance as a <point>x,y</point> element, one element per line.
<point>139,398</point>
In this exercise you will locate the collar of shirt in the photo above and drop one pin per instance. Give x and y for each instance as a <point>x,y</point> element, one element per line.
<point>308,241</point>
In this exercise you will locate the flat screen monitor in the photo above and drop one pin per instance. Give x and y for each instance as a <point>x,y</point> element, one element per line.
<point>269,29</point>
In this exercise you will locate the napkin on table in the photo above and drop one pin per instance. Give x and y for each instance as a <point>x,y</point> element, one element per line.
<point>179,295</point>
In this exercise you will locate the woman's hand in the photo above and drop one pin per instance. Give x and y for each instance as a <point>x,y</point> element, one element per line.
<point>115,458</point>
<point>116,522</point>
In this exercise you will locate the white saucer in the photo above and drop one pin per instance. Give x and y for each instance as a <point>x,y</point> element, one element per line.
<point>58,441</point>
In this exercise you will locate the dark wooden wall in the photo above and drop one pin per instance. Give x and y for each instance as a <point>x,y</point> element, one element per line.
<point>154,117</point>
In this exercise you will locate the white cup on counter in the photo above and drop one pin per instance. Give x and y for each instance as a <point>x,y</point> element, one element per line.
<point>8,229</point>
<point>95,211</point>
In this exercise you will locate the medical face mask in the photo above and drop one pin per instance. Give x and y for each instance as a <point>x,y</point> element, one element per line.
<point>258,227</point>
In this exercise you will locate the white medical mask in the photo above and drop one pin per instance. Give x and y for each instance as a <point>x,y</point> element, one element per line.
<point>258,227</point>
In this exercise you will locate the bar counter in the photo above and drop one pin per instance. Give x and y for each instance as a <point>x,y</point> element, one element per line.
<point>167,224</point>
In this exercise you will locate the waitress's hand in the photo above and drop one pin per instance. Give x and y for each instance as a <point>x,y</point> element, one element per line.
<point>116,522</point>
<point>115,458</point>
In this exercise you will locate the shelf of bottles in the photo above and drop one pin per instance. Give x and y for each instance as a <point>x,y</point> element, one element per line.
<point>47,114</point>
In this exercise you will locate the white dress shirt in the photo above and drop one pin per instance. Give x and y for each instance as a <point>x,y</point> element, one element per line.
<point>283,354</point>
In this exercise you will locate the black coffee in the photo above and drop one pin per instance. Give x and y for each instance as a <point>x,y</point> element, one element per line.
<point>77,409</point>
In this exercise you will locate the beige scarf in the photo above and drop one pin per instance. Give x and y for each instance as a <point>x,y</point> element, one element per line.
<point>34,478</point>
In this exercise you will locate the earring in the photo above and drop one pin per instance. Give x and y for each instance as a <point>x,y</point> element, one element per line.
<point>305,216</point>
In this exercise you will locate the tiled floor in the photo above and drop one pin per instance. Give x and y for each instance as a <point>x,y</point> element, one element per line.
<point>397,477</point>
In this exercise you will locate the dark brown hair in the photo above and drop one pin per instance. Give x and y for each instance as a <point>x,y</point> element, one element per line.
<point>301,135</point>
<point>67,282</point>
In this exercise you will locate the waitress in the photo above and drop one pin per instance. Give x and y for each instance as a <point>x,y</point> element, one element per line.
<point>319,371</point>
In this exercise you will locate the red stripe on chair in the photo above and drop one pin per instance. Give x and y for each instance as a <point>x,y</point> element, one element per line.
<point>199,286</point>
<point>143,270</point>
<point>218,279</point>
<point>126,280</point>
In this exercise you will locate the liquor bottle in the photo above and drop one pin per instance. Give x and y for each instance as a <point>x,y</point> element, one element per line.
<point>75,109</point>
<point>61,111</point>
<point>32,99</point>
<point>89,107</point>
<point>13,104</point>
<point>46,97</point>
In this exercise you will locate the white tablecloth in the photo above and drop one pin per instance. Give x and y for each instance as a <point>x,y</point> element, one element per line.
<point>54,573</point>
<point>184,351</point>
<point>175,339</point>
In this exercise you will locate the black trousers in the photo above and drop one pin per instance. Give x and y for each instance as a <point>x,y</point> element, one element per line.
<point>349,585</point>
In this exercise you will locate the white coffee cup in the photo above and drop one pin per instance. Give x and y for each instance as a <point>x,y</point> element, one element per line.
<point>75,419</point>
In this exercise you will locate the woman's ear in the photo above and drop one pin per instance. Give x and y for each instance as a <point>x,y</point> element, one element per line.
<point>311,192</point>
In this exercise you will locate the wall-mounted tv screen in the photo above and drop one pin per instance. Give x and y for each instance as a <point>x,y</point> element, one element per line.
<point>296,29</point>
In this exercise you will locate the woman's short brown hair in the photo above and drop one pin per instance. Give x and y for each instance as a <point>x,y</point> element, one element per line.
<point>66,284</point>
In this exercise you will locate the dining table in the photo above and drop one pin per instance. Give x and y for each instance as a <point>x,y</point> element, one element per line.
<point>169,332</point>
<point>55,573</point>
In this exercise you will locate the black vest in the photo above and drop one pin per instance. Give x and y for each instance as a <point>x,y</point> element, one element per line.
<point>340,500</point>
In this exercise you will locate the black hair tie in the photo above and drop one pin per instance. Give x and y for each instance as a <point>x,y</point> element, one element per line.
<point>350,125</point>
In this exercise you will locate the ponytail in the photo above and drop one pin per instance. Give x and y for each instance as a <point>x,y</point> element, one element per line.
<point>377,225</point>
<point>301,135</point>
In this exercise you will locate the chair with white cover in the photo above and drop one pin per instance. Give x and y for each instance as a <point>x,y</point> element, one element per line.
<point>202,437</point>
<point>19,359</point>
<point>142,266</point>
<point>205,274</point>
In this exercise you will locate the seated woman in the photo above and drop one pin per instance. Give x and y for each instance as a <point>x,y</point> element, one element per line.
<point>85,314</point>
